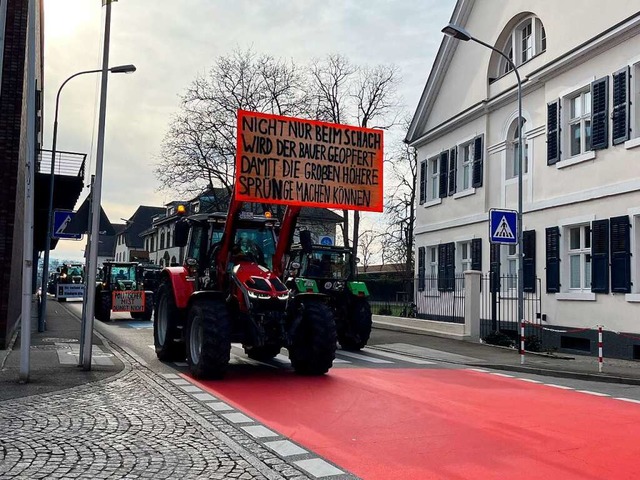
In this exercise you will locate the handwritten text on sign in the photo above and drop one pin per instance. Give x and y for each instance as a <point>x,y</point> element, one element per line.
<point>128,301</point>
<point>303,162</point>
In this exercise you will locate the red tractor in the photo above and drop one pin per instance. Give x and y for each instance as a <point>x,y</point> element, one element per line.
<point>227,291</point>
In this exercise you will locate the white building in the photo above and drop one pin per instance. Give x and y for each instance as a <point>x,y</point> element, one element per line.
<point>579,61</point>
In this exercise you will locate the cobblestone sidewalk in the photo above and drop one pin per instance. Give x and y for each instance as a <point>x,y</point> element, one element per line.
<point>133,425</point>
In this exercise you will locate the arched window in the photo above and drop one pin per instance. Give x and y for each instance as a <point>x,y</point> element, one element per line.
<point>523,38</point>
<point>513,150</point>
<point>173,260</point>
<point>162,240</point>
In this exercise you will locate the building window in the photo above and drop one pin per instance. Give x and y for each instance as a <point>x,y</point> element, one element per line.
<point>525,41</point>
<point>162,241</point>
<point>466,164</point>
<point>513,151</point>
<point>464,260</point>
<point>432,185</point>
<point>579,122</point>
<point>579,253</point>
<point>432,259</point>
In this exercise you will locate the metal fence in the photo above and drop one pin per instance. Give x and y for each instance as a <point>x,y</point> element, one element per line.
<point>396,298</point>
<point>499,307</point>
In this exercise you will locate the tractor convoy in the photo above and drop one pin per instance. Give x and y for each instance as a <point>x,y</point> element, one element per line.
<point>230,289</point>
<point>120,287</point>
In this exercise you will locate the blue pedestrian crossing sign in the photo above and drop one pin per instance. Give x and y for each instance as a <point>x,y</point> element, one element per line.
<point>503,226</point>
<point>61,219</point>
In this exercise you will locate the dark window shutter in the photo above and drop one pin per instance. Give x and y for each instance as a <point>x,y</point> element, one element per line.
<point>553,132</point>
<point>476,254</point>
<point>442,272</point>
<point>620,255</point>
<point>478,153</point>
<point>453,158</point>
<point>450,266</point>
<point>553,259</point>
<point>600,256</point>
<point>620,111</point>
<point>421,268</point>
<point>600,113</point>
<point>423,181</point>
<point>494,267</point>
<point>444,169</point>
<point>529,261</point>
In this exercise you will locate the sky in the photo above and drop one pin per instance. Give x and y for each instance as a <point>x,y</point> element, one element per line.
<point>171,42</point>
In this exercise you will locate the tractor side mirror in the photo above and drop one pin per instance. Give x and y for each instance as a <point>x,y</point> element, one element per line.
<point>181,233</point>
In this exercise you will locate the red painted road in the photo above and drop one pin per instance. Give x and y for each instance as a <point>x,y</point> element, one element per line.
<point>443,424</point>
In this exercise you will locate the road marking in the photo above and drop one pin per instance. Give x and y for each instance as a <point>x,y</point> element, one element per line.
<point>285,448</point>
<point>529,380</point>
<point>180,381</point>
<point>318,467</point>
<point>558,386</point>
<point>191,389</point>
<point>237,417</point>
<point>219,406</point>
<point>204,397</point>
<point>397,356</point>
<point>481,370</point>
<point>258,431</point>
<point>501,374</point>
<point>628,400</point>
<point>597,394</point>
<point>362,357</point>
<point>169,375</point>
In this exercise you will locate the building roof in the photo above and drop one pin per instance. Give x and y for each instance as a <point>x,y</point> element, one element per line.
<point>107,243</point>
<point>138,222</point>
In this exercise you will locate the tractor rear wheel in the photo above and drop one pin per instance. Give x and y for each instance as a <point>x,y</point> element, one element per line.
<point>102,307</point>
<point>208,339</point>
<point>313,348</point>
<point>166,334</point>
<point>358,326</point>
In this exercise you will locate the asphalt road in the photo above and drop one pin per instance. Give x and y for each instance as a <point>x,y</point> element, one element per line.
<point>383,413</point>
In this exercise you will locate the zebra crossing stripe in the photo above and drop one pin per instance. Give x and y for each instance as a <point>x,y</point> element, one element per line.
<point>364,358</point>
<point>397,356</point>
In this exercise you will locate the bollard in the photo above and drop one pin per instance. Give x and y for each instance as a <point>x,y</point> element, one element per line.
<point>600,348</point>
<point>521,343</point>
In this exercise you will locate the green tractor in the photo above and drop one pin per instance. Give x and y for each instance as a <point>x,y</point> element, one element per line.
<point>327,270</point>
<point>120,288</point>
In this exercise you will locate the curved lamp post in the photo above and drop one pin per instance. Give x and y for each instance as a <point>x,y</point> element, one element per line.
<point>460,33</point>
<point>45,266</point>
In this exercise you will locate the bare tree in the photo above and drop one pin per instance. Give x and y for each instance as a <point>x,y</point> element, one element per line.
<point>199,148</point>
<point>344,93</point>
<point>367,242</point>
<point>398,242</point>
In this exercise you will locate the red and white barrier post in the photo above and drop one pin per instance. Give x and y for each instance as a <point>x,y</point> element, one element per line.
<point>521,343</point>
<point>600,348</point>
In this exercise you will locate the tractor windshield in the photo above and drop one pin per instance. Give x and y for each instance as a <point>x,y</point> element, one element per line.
<point>125,273</point>
<point>257,244</point>
<point>326,264</point>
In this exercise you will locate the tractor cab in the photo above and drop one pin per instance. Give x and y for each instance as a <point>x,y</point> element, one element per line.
<point>121,288</point>
<point>329,266</point>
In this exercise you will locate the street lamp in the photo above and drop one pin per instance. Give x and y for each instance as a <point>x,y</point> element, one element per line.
<point>45,266</point>
<point>461,34</point>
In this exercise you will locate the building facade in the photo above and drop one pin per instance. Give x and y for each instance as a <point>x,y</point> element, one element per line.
<point>579,65</point>
<point>13,148</point>
<point>129,245</point>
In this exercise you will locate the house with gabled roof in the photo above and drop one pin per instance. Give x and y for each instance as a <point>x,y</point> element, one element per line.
<point>579,65</point>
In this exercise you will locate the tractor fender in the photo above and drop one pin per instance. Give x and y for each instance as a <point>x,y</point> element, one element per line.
<point>181,284</point>
<point>205,295</point>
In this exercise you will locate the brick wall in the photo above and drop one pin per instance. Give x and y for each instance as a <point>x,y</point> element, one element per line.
<point>12,161</point>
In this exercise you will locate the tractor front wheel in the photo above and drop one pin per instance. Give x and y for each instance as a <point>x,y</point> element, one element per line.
<point>102,307</point>
<point>166,334</point>
<point>313,348</point>
<point>208,339</point>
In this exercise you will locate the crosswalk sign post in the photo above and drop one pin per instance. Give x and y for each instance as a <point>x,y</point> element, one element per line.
<point>503,226</point>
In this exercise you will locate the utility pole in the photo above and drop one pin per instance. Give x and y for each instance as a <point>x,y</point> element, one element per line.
<point>92,258</point>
